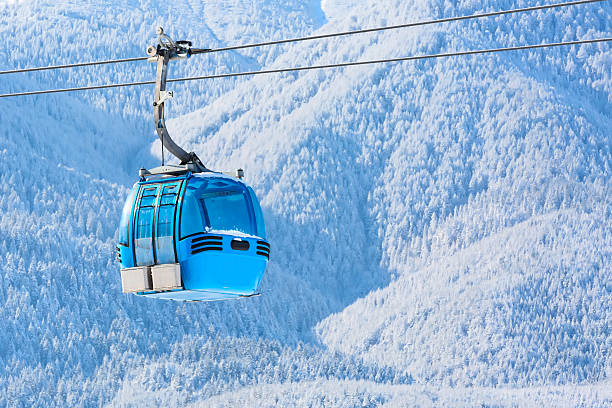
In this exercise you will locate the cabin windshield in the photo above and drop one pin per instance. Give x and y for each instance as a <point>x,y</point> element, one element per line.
<point>216,204</point>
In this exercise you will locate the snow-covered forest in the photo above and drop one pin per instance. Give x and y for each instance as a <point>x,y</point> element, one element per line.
<point>441,229</point>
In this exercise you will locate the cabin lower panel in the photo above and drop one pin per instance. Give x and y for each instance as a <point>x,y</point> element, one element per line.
<point>207,276</point>
<point>223,272</point>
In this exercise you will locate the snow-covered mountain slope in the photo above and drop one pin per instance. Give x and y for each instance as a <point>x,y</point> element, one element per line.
<point>528,305</point>
<point>444,222</point>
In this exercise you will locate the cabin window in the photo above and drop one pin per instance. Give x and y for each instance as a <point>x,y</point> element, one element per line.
<point>259,219</point>
<point>125,217</point>
<point>145,216</point>
<point>227,211</point>
<point>144,232</point>
<point>216,204</point>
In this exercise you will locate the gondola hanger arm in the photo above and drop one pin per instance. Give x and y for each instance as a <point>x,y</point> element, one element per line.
<point>165,51</point>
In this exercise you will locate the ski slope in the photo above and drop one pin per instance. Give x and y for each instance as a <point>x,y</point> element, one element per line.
<point>440,229</point>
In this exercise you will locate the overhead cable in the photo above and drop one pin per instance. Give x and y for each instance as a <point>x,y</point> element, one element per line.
<point>313,67</point>
<point>395,27</point>
<point>315,37</point>
<point>79,64</point>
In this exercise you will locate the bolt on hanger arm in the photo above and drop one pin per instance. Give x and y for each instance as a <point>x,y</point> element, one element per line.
<point>166,51</point>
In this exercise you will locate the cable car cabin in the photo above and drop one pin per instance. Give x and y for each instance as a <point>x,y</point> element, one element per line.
<point>192,237</point>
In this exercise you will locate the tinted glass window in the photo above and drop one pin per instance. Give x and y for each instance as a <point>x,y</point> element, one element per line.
<point>227,211</point>
<point>261,226</point>
<point>165,221</point>
<point>144,231</point>
<point>145,222</point>
<point>192,217</point>
<point>126,215</point>
<point>170,189</point>
<point>216,204</point>
<point>147,201</point>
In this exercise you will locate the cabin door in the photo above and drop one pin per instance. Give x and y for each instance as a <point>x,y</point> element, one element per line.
<point>164,223</point>
<point>154,224</point>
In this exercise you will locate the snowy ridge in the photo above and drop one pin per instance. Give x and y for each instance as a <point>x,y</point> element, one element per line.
<point>525,306</point>
<point>438,227</point>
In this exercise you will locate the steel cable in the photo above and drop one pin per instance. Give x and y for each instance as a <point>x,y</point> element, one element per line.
<point>313,67</point>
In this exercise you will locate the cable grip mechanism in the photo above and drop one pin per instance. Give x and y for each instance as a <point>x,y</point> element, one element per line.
<point>165,44</point>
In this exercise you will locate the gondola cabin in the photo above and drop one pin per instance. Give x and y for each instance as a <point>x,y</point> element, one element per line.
<point>192,237</point>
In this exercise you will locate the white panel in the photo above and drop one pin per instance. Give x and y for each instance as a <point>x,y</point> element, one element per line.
<point>136,279</point>
<point>166,277</point>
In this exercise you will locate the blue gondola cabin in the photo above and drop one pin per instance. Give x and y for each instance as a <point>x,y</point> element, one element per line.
<point>192,237</point>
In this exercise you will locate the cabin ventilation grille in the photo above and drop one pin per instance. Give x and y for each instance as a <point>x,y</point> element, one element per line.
<point>263,249</point>
<point>206,243</point>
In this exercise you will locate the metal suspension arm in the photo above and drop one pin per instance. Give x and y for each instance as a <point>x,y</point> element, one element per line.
<point>162,54</point>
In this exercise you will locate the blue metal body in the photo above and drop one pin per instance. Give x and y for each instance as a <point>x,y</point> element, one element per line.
<point>209,223</point>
